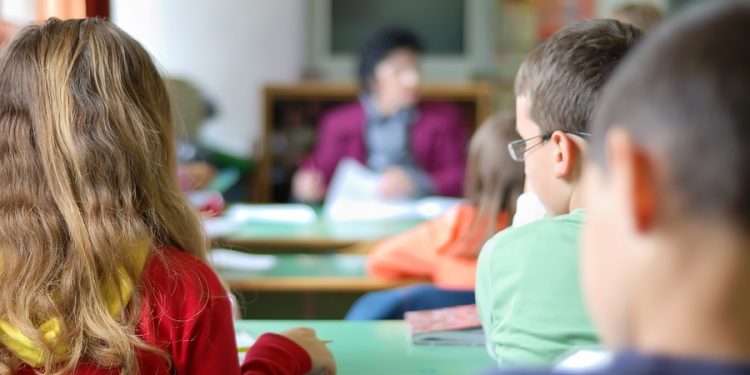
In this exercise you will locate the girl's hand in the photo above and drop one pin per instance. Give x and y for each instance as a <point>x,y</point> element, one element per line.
<point>322,359</point>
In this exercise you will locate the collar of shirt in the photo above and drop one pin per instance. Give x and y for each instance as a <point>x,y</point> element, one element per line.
<point>374,116</point>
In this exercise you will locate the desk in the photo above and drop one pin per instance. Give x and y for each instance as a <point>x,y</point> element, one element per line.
<point>311,273</point>
<point>319,236</point>
<point>381,347</point>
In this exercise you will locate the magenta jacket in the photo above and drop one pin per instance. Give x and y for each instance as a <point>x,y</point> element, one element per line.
<point>438,143</point>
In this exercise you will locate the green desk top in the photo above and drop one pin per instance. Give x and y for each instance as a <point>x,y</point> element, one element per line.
<point>310,272</point>
<point>321,235</point>
<point>306,265</point>
<point>381,347</point>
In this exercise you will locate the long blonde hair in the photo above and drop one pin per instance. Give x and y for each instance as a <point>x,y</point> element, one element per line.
<point>88,170</point>
<point>493,179</point>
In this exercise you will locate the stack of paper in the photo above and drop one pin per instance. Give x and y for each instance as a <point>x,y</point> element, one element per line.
<point>353,196</point>
<point>239,214</point>
<point>276,213</point>
<point>230,259</point>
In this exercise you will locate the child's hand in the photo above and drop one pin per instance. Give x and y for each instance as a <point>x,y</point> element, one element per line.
<point>322,359</point>
<point>395,183</point>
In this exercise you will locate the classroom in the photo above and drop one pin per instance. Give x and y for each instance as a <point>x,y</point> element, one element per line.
<point>374,187</point>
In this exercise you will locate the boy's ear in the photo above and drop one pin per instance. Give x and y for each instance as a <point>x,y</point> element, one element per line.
<point>633,172</point>
<point>566,154</point>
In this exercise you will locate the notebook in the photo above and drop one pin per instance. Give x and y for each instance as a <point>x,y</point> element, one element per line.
<point>456,326</point>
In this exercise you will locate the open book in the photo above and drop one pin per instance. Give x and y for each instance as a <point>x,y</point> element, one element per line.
<point>353,196</point>
<point>459,326</point>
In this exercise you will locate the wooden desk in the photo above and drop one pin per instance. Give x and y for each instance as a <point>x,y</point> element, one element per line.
<point>301,106</point>
<point>381,347</point>
<point>320,236</point>
<point>311,273</point>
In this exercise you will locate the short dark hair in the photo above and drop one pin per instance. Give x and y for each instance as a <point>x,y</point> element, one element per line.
<point>683,96</point>
<point>563,76</point>
<point>379,44</point>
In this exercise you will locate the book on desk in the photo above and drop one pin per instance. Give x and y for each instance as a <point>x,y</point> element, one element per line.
<point>450,326</point>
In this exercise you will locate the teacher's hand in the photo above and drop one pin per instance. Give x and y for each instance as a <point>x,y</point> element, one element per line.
<point>396,183</point>
<point>308,186</point>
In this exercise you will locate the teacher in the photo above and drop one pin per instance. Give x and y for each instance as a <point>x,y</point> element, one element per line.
<point>418,149</point>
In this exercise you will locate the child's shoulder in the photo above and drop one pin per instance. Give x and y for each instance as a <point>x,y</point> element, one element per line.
<point>540,231</point>
<point>172,271</point>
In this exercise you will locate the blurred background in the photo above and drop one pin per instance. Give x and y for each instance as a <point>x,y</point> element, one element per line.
<point>251,78</point>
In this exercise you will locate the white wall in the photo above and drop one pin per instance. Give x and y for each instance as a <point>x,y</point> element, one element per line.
<point>228,48</point>
<point>19,12</point>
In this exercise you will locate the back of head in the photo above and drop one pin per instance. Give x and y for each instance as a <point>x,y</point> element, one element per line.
<point>643,16</point>
<point>493,179</point>
<point>564,75</point>
<point>379,44</point>
<point>683,96</point>
<point>88,169</point>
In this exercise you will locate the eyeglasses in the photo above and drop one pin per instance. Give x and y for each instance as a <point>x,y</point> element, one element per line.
<point>519,147</point>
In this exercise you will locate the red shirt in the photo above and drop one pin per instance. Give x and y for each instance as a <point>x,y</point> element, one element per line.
<point>186,312</point>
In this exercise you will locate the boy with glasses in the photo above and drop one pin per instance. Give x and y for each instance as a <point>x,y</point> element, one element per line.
<point>666,246</point>
<point>527,278</point>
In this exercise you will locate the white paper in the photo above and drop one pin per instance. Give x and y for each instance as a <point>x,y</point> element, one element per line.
<point>219,226</point>
<point>277,213</point>
<point>244,339</point>
<point>353,196</point>
<point>230,259</point>
<point>585,359</point>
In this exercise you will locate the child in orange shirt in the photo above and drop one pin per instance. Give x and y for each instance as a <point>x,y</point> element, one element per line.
<point>445,249</point>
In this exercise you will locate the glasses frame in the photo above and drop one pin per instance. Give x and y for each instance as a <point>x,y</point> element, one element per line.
<point>520,155</point>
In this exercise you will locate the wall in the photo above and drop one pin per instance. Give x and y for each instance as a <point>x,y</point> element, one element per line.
<point>19,12</point>
<point>606,7</point>
<point>476,64</point>
<point>228,48</point>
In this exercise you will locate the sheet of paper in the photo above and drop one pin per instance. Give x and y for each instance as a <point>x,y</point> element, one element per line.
<point>230,259</point>
<point>276,213</point>
<point>353,196</point>
<point>585,359</point>
<point>219,226</point>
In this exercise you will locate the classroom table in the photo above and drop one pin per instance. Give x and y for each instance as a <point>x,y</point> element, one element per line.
<point>311,273</point>
<point>322,235</point>
<point>381,347</point>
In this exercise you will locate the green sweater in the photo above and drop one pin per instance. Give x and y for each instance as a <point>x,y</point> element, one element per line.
<point>528,292</point>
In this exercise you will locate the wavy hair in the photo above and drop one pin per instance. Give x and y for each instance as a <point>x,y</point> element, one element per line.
<point>88,170</point>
